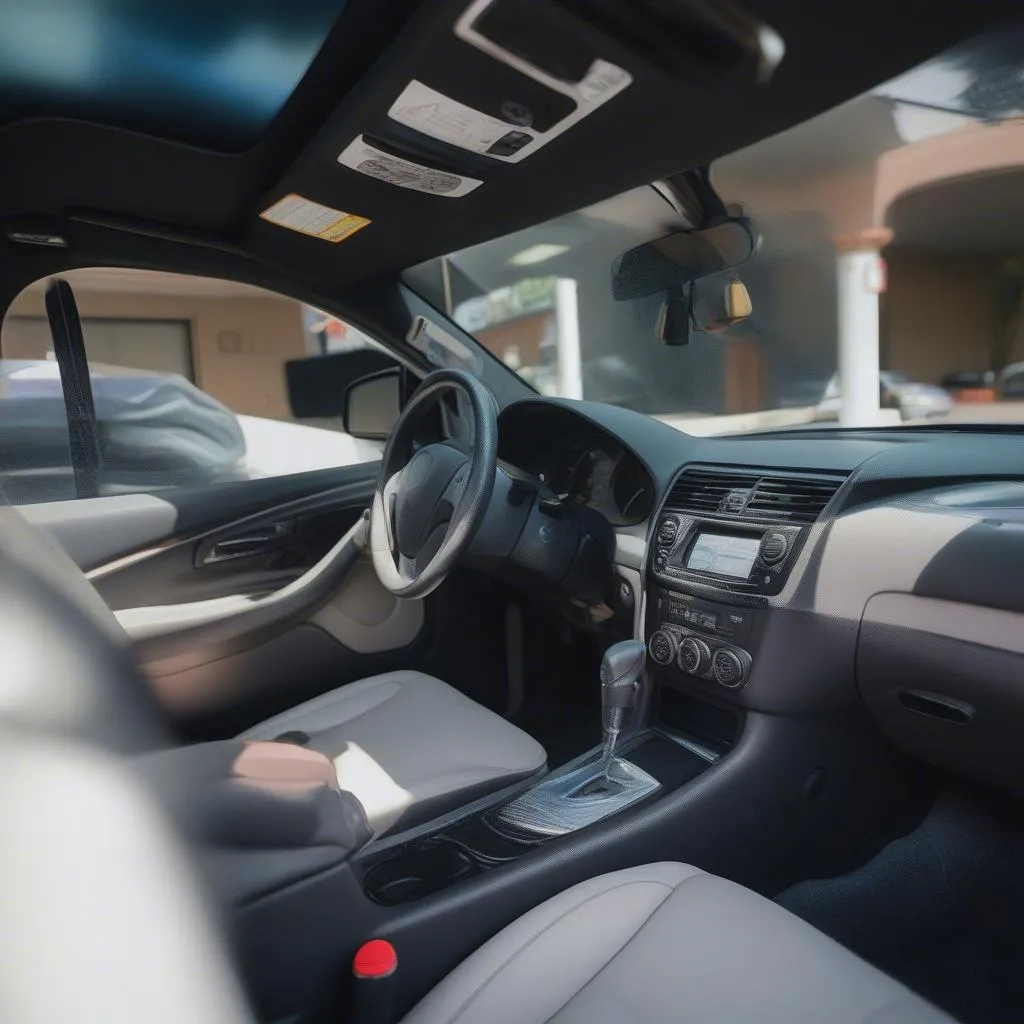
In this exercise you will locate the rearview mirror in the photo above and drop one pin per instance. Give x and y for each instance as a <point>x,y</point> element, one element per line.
<point>677,265</point>
<point>707,306</point>
<point>372,405</point>
<point>671,262</point>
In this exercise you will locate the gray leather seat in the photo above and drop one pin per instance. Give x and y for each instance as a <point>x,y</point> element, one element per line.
<point>660,943</point>
<point>409,746</point>
<point>112,926</point>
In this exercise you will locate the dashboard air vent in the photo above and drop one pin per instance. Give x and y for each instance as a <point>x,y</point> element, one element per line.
<point>749,495</point>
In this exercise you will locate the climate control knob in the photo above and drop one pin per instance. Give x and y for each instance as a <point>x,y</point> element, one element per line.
<point>694,656</point>
<point>667,530</point>
<point>728,667</point>
<point>662,647</point>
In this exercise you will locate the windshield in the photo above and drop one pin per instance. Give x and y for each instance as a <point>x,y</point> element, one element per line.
<point>893,253</point>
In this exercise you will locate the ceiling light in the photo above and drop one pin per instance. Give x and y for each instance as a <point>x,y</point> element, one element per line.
<point>537,254</point>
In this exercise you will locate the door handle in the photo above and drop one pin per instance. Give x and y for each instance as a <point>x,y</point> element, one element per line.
<point>239,547</point>
<point>249,543</point>
<point>169,639</point>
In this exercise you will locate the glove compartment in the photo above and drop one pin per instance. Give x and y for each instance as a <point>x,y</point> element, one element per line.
<point>945,682</point>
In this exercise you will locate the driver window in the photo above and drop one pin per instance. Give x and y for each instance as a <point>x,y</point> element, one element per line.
<point>189,385</point>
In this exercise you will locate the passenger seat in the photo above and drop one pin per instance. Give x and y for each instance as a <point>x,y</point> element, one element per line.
<point>666,943</point>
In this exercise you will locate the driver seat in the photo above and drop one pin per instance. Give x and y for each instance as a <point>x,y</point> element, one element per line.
<point>408,746</point>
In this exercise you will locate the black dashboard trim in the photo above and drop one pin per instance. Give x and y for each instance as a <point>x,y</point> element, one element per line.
<point>603,437</point>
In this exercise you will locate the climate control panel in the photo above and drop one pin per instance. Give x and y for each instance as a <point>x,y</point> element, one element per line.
<point>703,639</point>
<point>675,647</point>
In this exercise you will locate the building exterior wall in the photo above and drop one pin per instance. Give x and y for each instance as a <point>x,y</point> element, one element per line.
<point>239,344</point>
<point>937,315</point>
<point>518,339</point>
<point>971,152</point>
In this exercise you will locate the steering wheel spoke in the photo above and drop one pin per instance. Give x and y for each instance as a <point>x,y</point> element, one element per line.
<point>388,497</point>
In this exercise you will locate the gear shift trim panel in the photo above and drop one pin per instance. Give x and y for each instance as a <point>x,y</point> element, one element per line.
<point>561,804</point>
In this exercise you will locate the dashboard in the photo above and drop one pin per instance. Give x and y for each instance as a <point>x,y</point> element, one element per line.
<point>577,462</point>
<point>813,572</point>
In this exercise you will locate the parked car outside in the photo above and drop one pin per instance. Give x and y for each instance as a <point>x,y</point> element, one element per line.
<point>156,430</point>
<point>915,401</point>
<point>971,387</point>
<point>1011,381</point>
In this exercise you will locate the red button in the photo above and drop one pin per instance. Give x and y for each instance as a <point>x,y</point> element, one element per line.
<point>375,959</point>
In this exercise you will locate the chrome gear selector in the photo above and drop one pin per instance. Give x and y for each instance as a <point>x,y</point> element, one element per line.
<point>620,673</point>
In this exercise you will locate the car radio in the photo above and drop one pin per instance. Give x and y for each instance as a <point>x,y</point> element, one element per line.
<point>701,638</point>
<point>747,558</point>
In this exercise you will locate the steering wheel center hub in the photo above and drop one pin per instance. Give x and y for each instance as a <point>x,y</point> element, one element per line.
<point>430,501</point>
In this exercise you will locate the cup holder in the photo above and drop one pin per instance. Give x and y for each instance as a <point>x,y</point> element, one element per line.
<point>418,870</point>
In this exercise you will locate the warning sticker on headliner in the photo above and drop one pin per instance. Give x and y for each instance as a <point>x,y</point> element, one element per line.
<point>366,158</point>
<point>441,117</point>
<point>303,215</point>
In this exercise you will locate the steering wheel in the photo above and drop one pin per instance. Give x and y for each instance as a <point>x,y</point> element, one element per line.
<point>430,501</point>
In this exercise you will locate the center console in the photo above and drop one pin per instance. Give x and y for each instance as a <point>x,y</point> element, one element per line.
<point>630,769</point>
<point>499,833</point>
<point>722,545</point>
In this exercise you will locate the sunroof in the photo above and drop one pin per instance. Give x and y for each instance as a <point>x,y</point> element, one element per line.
<point>209,72</point>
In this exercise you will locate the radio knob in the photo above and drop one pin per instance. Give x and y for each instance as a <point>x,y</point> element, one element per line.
<point>694,656</point>
<point>774,548</point>
<point>728,668</point>
<point>662,646</point>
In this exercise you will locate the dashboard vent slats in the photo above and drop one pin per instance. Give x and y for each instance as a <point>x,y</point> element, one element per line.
<point>772,498</point>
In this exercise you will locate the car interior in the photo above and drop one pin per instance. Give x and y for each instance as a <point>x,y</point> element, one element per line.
<point>554,711</point>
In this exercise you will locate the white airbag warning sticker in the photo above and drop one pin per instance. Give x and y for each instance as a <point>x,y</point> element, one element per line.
<point>303,215</point>
<point>366,158</point>
<point>440,117</point>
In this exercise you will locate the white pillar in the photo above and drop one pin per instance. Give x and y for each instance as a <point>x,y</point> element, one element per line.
<point>860,278</point>
<point>567,329</point>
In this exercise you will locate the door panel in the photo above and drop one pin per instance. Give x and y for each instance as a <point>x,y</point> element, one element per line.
<point>251,554</point>
<point>99,531</point>
<point>365,617</point>
<point>224,697</point>
<point>149,551</point>
<point>184,552</point>
<point>227,695</point>
<point>94,531</point>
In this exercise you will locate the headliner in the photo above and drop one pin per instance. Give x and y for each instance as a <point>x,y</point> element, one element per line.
<point>206,204</point>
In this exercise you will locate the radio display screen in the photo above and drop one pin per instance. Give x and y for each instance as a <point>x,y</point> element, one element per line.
<point>723,555</point>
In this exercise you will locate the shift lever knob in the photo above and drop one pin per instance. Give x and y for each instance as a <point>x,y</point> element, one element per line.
<point>620,669</point>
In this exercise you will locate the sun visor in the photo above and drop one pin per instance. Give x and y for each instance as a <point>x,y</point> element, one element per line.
<point>532,71</point>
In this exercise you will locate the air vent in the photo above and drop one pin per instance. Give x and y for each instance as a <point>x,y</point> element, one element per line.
<point>762,497</point>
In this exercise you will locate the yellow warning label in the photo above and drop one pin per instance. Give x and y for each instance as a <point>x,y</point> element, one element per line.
<point>300,214</point>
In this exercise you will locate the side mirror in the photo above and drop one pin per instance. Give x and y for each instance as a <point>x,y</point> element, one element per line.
<point>317,384</point>
<point>372,405</point>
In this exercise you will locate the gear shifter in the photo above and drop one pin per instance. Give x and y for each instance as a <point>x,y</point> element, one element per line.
<point>620,671</point>
<point>569,800</point>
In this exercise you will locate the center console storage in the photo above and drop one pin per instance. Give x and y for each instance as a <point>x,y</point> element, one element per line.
<point>577,796</point>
